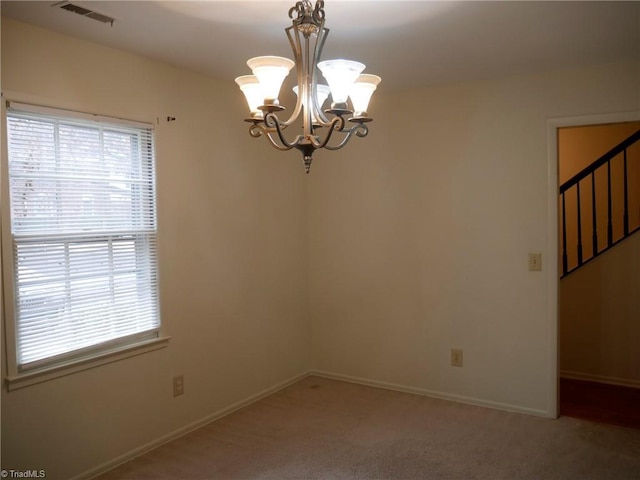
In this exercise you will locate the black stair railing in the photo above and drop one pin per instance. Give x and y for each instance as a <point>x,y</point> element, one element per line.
<point>573,184</point>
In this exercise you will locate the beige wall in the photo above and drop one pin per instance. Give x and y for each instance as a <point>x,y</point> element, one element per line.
<point>233,259</point>
<point>599,312</point>
<point>414,241</point>
<point>579,146</point>
<point>420,237</point>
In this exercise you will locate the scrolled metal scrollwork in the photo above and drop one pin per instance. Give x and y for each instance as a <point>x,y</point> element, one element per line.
<point>306,17</point>
<point>272,122</point>
<point>318,11</point>
<point>359,130</point>
<point>336,125</point>
<point>256,130</point>
<point>299,9</point>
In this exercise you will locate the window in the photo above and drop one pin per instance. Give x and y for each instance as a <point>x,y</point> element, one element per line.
<point>82,268</point>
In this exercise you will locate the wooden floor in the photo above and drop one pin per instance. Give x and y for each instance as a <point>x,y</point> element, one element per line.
<point>599,402</point>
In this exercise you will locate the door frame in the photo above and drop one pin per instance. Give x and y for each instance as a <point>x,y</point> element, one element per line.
<point>553,343</point>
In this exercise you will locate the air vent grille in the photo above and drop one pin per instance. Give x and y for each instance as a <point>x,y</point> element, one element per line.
<point>100,17</point>
<point>85,12</point>
<point>70,7</point>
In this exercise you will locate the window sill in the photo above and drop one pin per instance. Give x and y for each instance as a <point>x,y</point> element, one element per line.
<point>26,379</point>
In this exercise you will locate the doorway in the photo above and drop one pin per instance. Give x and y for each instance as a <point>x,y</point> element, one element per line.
<point>598,368</point>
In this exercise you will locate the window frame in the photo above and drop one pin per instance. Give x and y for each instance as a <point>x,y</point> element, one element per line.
<point>82,359</point>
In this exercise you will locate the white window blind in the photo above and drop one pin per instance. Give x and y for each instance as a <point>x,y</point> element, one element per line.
<point>83,227</point>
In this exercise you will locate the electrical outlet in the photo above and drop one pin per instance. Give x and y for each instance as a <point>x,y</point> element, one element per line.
<point>178,385</point>
<point>456,357</point>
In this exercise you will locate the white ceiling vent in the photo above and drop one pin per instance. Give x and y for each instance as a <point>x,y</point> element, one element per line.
<point>85,12</point>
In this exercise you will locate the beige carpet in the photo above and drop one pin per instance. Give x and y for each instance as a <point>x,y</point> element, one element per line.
<point>324,429</point>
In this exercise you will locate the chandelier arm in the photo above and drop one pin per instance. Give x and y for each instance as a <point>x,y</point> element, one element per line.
<point>282,148</point>
<point>336,125</point>
<point>272,122</point>
<point>360,130</point>
<point>258,129</point>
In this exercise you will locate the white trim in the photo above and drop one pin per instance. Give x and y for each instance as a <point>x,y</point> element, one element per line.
<point>589,377</point>
<point>43,370</point>
<point>435,394</point>
<point>6,275</point>
<point>74,365</point>
<point>105,467</point>
<point>552,239</point>
<point>552,269</point>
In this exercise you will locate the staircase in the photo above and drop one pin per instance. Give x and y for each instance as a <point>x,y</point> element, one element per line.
<point>600,205</point>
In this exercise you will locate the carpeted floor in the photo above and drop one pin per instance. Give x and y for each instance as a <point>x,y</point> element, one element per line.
<point>325,429</point>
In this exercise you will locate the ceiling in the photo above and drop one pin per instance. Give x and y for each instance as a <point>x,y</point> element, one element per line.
<point>407,43</point>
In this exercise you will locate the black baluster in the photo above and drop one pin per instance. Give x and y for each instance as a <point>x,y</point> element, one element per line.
<point>564,237</point>
<point>593,213</point>
<point>579,225</point>
<point>609,221</point>
<point>626,197</point>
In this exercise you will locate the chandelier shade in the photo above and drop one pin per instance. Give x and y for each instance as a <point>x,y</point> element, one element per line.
<point>340,75</point>
<point>322,93</point>
<point>271,72</point>
<point>250,86</point>
<point>350,90</point>
<point>361,92</point>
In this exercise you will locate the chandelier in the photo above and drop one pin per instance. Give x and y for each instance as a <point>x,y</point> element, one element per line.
<point>331,128</point>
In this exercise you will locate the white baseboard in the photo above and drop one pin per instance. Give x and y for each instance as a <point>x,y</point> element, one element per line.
<point>187,429</point>
<point>105,467</point>
<point>435,394</point>
<point>623,382</point>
